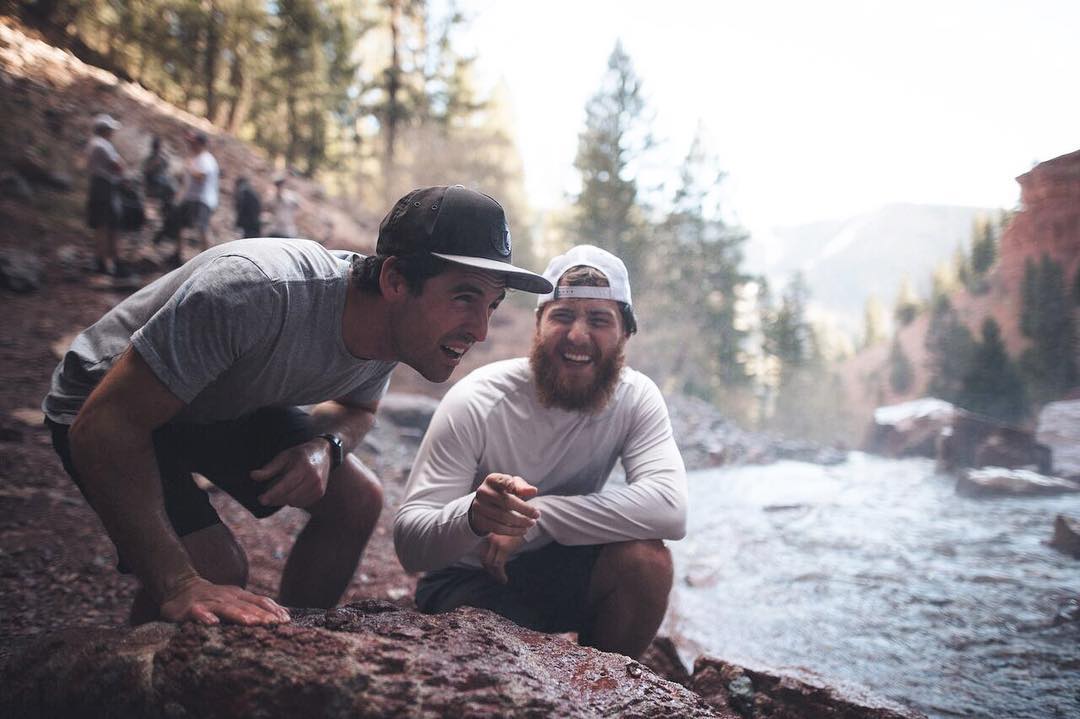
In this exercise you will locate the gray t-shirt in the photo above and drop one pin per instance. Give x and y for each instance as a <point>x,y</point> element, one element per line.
<point>247,324</point>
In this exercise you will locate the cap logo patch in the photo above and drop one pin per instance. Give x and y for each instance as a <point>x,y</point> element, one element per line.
<point>501,241</point>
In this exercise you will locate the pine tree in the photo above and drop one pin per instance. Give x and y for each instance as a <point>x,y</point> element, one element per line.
<point>697,281</point>
<point>873,322</point>
<point>901,372</point>
<point>608,211</point>
<point>983,247</point>
<point>1046,318</point>
<point>788,335</point>
<point>418,80</point>
<point>949,345</point>
<point>992,384</point>
<point>906,308</point>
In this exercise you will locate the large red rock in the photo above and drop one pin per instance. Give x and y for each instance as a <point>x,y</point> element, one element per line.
<point>369,659</point>
<point>1048,222</point>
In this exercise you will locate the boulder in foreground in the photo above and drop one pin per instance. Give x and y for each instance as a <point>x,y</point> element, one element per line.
<point>369,659</point>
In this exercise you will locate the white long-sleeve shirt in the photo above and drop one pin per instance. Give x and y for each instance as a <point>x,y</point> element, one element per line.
<point>492,421</point>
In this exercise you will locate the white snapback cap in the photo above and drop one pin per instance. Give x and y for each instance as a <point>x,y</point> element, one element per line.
<point>589,256</point>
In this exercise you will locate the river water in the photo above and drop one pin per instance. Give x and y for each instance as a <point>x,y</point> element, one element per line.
<point>876,576</point>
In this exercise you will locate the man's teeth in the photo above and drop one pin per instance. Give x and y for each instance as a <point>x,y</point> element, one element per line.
<point>576,357</point>
<point>456,351</point>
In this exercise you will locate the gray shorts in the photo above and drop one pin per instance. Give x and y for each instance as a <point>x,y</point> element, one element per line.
<point>548,589</point>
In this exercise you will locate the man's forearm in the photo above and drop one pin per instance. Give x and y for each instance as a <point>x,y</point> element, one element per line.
<point>349,422</point>
<point>120,474</point>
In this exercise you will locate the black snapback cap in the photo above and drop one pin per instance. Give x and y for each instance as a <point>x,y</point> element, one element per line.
<point>460,226</point>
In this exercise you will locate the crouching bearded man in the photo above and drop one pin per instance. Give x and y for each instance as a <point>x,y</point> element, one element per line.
<point>508,506</point>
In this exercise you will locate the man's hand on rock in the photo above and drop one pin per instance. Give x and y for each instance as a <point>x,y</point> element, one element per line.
<point>299,475</point>
<point>499,549</point>
<point>208,603</point>
<point>499,506</point>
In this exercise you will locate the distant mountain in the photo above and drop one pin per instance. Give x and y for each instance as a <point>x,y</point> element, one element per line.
<point>846,261</point>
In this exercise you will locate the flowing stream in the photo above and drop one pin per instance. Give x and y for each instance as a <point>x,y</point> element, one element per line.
<point>876,576</point>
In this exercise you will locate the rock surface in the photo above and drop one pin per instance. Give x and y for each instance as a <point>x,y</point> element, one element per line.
<point>999,481</point>
<point>756,694</point>
<point>369,659</point>
<point>974,440</point>
<point>1066,535</point>
<point>707,438</point>
<point>909,429</point>
<point>1059,429</point>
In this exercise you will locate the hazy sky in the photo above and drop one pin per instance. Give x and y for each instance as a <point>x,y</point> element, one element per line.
<point>815,109</point>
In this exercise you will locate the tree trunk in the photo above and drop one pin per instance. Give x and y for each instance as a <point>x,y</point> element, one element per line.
<point>241,103</point>
<point>210,59</point>
<point>393,87</point>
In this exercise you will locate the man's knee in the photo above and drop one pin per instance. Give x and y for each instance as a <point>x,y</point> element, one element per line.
<point>643,566</point>
<point>354,496</point>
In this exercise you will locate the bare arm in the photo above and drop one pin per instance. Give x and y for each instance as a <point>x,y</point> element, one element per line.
<point>112,448</point>
<point>301,473</point>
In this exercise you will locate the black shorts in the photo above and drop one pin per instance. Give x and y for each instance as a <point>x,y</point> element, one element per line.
<point>189,213</point>
<point>223,452</point>
<point>547,590</point>
<point>102,204</point>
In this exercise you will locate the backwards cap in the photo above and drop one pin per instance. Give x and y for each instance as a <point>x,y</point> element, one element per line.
<point>602,260</point>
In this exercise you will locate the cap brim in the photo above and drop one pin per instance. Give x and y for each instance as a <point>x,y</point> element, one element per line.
<point>516,278</point>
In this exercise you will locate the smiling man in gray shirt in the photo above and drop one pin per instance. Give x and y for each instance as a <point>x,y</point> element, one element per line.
<point>508,505</point>
<point>206,369</point>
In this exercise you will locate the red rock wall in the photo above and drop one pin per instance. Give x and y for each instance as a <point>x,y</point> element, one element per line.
<point>1048,221</point>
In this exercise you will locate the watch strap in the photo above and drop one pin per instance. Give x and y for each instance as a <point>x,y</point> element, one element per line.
<point>337,450</point>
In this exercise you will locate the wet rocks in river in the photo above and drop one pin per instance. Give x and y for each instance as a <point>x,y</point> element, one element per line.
<point>1066,535</point>
<point>1059,429</point>
<point>756,694</point>
<point>974,440</point>
<point>370,659</point>
<point>1000,481</point>
<point>909,429</point>
<point>706,438</point>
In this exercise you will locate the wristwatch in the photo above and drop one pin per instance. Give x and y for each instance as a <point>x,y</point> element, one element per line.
<point>337,450</point>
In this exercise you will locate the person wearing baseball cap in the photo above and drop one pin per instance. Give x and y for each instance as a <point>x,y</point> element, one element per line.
<point>540,539</point>
<point>106,170</point>
<point>260,364</point>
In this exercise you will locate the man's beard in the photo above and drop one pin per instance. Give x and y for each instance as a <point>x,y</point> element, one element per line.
<point>590,398</point>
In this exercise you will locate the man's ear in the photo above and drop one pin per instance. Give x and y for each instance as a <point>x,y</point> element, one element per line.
<point>392,284</point>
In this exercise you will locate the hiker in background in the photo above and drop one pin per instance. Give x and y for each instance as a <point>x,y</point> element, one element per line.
<point>106,170</point>
<point>156,178</point>
<point>198,197</point>
<point>248,208</point>
<point>284,207</point>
